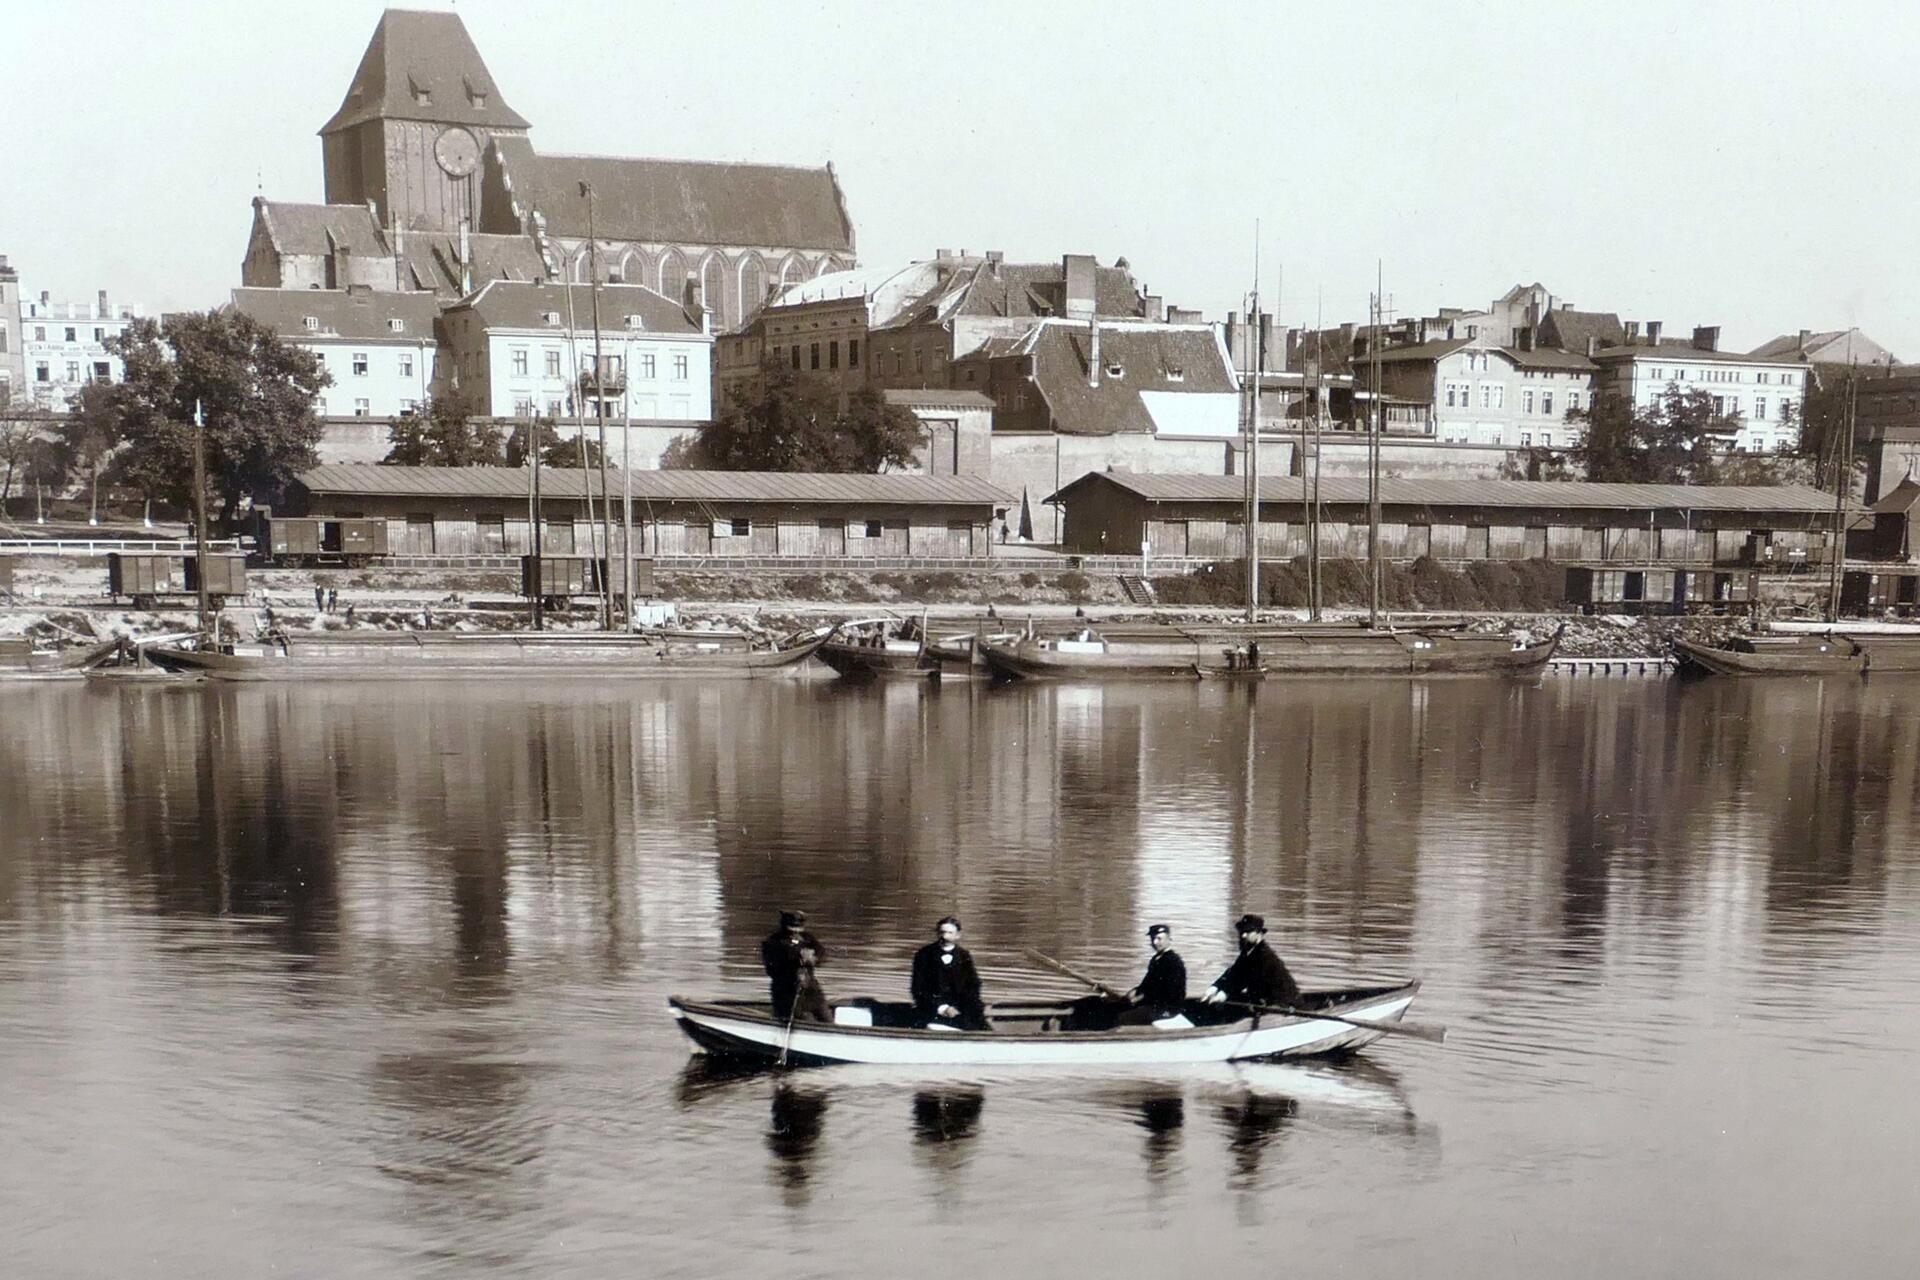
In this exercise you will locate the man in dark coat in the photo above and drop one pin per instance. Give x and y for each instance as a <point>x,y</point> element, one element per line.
<point>1257,975</point>
<point>945,985</point>
<point>1163,989</point>
<point>789,953</point>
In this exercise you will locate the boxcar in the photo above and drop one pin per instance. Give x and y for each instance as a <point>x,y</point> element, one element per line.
<point>145,579</point>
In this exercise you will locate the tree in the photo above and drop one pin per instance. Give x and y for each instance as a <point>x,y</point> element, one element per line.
<point>256,391</point>
<point>85,438</point>
<point>785,420</point>
<point>1681,438</point>
<point>554,451</point>
<point>1535,463</point>
<point>441,434</point>
<point>23,427</point>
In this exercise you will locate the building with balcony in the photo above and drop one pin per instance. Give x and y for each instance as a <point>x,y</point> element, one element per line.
<point>63,346</point>
<point>1477,393</point>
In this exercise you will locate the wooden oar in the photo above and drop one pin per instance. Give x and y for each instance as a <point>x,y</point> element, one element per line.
<point>1434,1034</point>
<point>1048,962</point>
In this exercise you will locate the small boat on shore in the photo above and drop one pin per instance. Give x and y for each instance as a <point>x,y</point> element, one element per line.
<point>1799,654</point>
<point>910,648</point>
<point>1187,653</point>
<point>1035,1033</point>
<point>336,655</point>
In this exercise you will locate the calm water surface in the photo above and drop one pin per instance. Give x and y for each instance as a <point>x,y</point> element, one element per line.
<point>371,981</point>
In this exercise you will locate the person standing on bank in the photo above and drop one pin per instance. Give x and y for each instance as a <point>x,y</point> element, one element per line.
<point>945,985</point>
<point>790,953</point>
<point>1256,976</point>
<point>1163,990</point>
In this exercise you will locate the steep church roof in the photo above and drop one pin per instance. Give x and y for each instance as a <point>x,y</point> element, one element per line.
<point>681,201</point>
<point>423,66</point>
<point>319,229</point>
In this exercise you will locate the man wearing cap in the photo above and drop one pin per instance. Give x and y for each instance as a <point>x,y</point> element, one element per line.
<point>1257,975</point>
<point>1163,989</point>
<point>945,985</point>
<point>789,953</point>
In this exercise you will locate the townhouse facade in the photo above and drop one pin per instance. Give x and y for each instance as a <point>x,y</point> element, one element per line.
<point>1477,393</point>
<point>1766,394</point>
<point>380,350</point>
<point>63,346</point>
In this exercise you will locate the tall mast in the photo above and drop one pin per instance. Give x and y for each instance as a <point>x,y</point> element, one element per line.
<point>580,429</point>
<point>1378,426</point>
<point>626,485</point>
<point>1253,441</point>
<point>599,407</point>
<point>1842,482</point>
<point>200,525</point>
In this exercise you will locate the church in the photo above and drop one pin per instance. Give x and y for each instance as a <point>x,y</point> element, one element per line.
<point>433,183</point>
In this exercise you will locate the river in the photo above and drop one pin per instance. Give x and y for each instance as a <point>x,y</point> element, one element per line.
<point>370,980</point>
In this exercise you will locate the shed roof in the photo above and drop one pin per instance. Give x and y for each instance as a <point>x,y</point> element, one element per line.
<point>891,489</point>
<point>1792,498</point>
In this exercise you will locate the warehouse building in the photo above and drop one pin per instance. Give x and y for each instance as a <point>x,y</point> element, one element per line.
<point>456,511</point>
<point>1202,517</point>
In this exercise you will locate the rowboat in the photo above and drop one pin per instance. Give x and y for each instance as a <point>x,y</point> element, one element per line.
<point>917,649</point>
<point>1184,653</point>
<point>1800,655</point>
<point>320,655</point>
<point>1031,1033</point>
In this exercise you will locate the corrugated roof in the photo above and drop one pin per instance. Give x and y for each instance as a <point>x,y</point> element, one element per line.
<point>338,313</point>
<point>892,489</point>
<point>512,304</point>
<point>1479,493</point>
<point>699,202</point>
<point>413,52</point>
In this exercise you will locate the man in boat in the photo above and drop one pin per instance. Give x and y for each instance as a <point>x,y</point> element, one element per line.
<point>789,953</point>
<point>1163,989</point>
<point>1257,976</point>
<point>945,985</point>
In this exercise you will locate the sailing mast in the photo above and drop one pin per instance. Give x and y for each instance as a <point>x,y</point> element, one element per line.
<point>599,412</point>
<point>1376,427</point>
<point>1253,441</point>
<point>208,639</point>
<point>1842,482</point>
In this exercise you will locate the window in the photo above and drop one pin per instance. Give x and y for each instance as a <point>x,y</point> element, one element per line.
<point>102,371</point>
<point>919,361</point>
<point>679,368</point>
<point>1546,439</point>
<point>1719,404</point>
<point>1526,439</point>
<point>732,527</point>
<point>362,409</point>
<point>99,335</point>
<point>1546,403</point>
<point>396,325</point>
<point>5,345</point>
<point>742,527</point>
<point>523,407</point>
<point>73,334</point>
<point>833,355</point>
<point>73,371</point>
<point>554,407</point>
<point>359,364</point>
<point>1526,400</point>
<point>648,367</point>
<point>406,364</point>
<point>863,528</point>
<point>1573,401</point>
<point>40,372</point>
<point>408,406</point>
<point>1759,408</point>
<point>553,363</point>
<point>853,353</point>
<point>519,362</point>
<point>1486,395</point>
<point>39,333</point>
<point>815,355</point>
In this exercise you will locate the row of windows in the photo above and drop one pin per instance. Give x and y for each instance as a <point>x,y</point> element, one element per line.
<point>679,408</point>
<point>1493,395</point>
<point>72,333</point>
<point>361,363</point>
<point>813,354</point>
<point>1763,377</point>
<point>645,365</point>
<point>102,371</point>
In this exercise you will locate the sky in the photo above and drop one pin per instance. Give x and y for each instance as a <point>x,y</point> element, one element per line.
<point>1693,163</point>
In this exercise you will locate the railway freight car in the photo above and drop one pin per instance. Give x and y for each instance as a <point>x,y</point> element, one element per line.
<point>148,579</point>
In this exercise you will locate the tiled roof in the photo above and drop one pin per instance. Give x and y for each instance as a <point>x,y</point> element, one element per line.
<point>1793,498</point>
<point>681,201</point>
<point>431,52</point>
<point>1683,353</point>
<point>1031,289</point>
<point>1434,350</point>
<point>509,304</point>
<point>340,313</point>
<point>1548,358</point>
<point>320,228</point>
<point>1148,356</point>
<point>936,398</point>
<point>1569,330</point>
<point>1838,346</point>
<point>433,260</point>
<point>892,489</point>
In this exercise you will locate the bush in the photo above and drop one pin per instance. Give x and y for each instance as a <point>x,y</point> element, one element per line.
<point>1075,584</point>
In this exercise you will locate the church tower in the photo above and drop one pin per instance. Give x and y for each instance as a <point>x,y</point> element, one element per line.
<point>416,120</point>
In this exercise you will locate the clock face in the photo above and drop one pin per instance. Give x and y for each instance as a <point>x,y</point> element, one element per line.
<point>456,151</point>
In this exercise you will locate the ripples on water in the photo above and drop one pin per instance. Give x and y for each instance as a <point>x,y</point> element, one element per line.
<point>370,980</point>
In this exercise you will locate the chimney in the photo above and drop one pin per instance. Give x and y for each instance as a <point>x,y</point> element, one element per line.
<point>1653,333</point>
<point>1156,305</point>
<point>1802,346</point>
<point>1184,315</point>
<point>1706,337</point>
<point>1093,351</point>
<point>1234,352</point>
<point>1347,328</point>
<point>1593,345</point>
<point>101,312</point>
<point>1265,359</point>
<point>1078,268</point>
<point>995,257</point>
<point>1523,337</point>
<point>1633,332</point>
<point>1420,330</point>
<point>466,259</point>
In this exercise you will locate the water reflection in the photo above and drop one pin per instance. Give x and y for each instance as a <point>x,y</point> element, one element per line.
<point>1162,1114</point>
<point>798,1117</point>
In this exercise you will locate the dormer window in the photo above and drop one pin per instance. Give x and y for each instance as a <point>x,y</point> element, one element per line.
<point>1115,369</point>
<point>312,323</point>
<point>1176,374</point>
<point>397,326</point>
<point>552,317</point>
<point>422,96</point>
<point>636,322</point>
<point>476,97</point>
